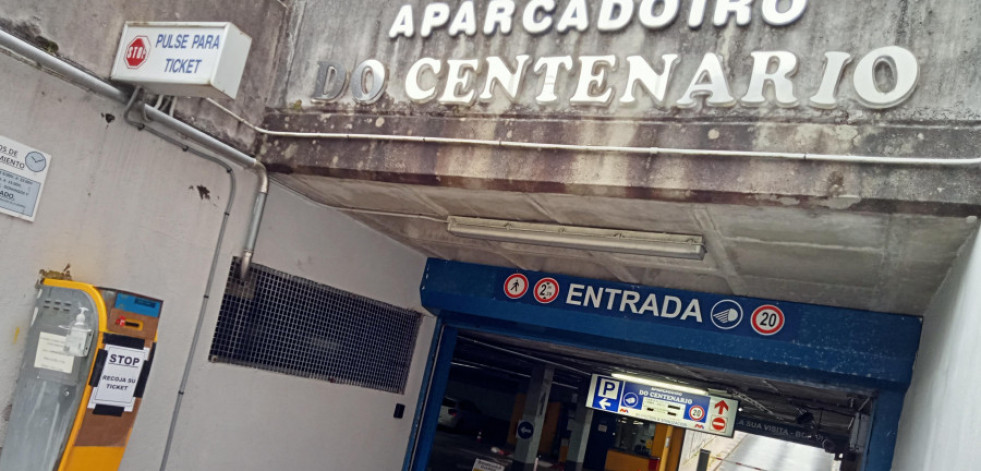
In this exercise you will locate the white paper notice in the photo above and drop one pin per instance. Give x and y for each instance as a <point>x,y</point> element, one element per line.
<point>51,354</point>
<point>121,373</point>
<point>22,173</point>
<point>484,465</point>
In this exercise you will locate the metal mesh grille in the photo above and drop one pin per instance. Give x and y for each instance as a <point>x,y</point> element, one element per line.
<point>278,322</point>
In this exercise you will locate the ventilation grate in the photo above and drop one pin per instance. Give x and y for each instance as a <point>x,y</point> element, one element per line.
<point>279,322</point>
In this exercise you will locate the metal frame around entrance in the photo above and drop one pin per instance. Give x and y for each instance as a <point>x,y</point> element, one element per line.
<point>817,345</point>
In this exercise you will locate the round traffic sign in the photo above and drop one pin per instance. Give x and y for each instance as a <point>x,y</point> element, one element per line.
<point>525,430</point>
<point>546,290</point>
<point>516,286</point>
<point>631,399</point>
<point>768,319</point>
<point>719,424</point>
<point>726,314</point>
<point>137,52</point>
<point>696,413</point>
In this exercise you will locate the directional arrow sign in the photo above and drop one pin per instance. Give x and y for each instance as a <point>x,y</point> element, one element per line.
<point>663,405</point>
<point>723,414</point>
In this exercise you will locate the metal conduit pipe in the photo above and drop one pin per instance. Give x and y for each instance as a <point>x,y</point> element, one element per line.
<point>539,146</point>
<point>262,186</point>
<point>211,272</point>
<point>79,77</point>
<point>481,366</point>
<point>526,356</point>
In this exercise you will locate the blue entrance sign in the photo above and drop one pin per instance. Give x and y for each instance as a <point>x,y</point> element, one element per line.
<point>704,413</point>
<point>871,353</point>
<point>727,314</point>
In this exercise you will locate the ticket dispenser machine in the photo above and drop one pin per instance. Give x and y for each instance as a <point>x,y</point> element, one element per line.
<point>87,360</point>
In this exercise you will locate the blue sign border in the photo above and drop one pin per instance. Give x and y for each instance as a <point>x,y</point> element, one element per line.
<point>621,404</point>
<point>687,309</point>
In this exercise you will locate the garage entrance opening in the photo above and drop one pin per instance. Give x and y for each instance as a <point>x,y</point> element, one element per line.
<point>541,371</point>
<point>491,374</point>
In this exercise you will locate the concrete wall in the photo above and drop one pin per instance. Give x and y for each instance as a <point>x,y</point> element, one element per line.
<point>938,429</point>
<point>720,447</point>
<point>944,82</point>
<point>938,33</point>
<point>87,32</point>
<point>694,442</point>
<point>125,210</point>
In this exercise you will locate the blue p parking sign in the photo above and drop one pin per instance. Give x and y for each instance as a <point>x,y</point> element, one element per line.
<point>606,394</point>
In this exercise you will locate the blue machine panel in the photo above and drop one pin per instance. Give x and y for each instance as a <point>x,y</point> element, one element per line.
<point>137,305</point>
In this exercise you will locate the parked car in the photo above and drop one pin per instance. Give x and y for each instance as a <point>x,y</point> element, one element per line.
<point>459,415</point>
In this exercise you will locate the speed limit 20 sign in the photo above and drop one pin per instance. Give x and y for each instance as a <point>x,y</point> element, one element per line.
<point>768,319</point>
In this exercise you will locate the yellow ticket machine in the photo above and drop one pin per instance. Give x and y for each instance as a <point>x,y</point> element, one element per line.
<point>85,368</point>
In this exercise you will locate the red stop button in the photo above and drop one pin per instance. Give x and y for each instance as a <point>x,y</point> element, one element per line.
<point>137,52</point>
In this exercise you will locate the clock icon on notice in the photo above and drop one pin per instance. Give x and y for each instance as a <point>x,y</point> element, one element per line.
<point>36,161</point>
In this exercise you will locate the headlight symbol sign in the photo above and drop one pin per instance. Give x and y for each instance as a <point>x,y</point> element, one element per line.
<point>726,314</point>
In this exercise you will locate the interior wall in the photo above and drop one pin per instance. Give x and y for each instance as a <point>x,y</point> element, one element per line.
<point>123,208</point>
<point>694,442</point>
<point>254,419</point>
<point>938,428</point>
<point>127,210</point>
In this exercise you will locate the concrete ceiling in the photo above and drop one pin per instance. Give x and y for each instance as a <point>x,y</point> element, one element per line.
<point>872,261</point>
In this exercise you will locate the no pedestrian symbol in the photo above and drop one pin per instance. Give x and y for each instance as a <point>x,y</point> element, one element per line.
<point>516,286</point>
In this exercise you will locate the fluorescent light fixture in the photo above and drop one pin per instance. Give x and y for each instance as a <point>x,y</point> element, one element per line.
<point>661,384</point>
<point>658,244</point>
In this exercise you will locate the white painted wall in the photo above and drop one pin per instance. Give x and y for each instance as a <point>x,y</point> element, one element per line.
<point>694,442</point>
<point>121,206</point>
<point>720,447</point>
<point>237,411</point>
<point>118,206</point>
<point>939,425</point>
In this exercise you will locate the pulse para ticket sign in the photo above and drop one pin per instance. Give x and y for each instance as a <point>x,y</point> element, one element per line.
<point>708,414</point>
<point>22,174</point>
